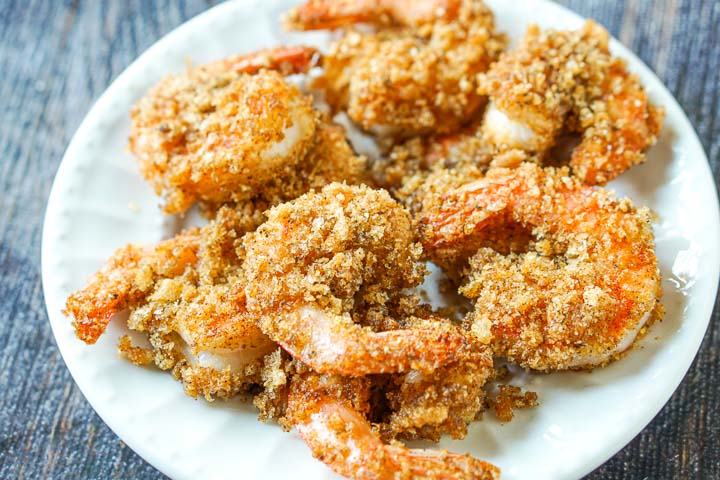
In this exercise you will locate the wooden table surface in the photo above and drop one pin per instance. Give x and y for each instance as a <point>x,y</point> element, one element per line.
<point>57,57</point>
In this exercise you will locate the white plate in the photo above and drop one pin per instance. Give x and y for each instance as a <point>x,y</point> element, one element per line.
<point>583,418</point>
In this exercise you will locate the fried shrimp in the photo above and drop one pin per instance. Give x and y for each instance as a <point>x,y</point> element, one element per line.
<point>416,72</point>
<point>221,131</point>
<point>182,293</point>
<point>557,82</point>
<point>226,132</point>
<point>319,258</point>
<point>581,293</point>
<point>304,291</point>
<point>329,413</point>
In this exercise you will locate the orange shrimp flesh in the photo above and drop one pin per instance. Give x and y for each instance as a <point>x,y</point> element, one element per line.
<point>332,424</point>
<point>127,276</point>
<point>335,344</point>
<point>583,292</point>
<point>332,14</point>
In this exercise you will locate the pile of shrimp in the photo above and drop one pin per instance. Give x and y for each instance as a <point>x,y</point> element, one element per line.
<point>303,291</point>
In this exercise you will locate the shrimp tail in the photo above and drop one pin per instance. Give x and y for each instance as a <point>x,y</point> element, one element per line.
<point>287,60</point>
<point>105,295</point>
<point>123,280</point>
<point>328,15</point>
<point>334,14</point>
<point>342,438</point>
<point>448,465</point>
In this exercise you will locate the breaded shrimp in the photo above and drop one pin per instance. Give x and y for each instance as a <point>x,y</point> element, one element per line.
<point>217,133</point>
<point>416,73</point>
<point>322,255</point>
<point>618,129</point>
<point>329,413</point>
<point>556,82</point>
<point>583,290</point>
<point>182,293</point>
<point>230,131</point>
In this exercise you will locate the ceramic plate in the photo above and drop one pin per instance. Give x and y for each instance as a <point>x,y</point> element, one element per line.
<point>99,202</point>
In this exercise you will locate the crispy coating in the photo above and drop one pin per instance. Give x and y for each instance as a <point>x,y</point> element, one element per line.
<point>618,129</point>
<point>426,190</point>
<point>410,162</point>
<point>325,232</point>
<point>329,413</point>
<point>509,398</point>
<point>134,354</point>
<point>319,257</point>
<point>567,81</point>
<point>416,73</point>
<point>183,294</point>
<point>426,406</point>
<point>271,401</point>
<point>585,289</point>
<point>226,133</point>
<point>219,137</point>
<point>329,159</point>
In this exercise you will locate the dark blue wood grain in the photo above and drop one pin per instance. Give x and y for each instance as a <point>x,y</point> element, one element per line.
<point>57,57</point>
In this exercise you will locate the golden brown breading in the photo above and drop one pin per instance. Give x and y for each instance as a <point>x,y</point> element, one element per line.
<point>409,162</point>
<point>509,398</point>
<point>134,354</point>
<point>426,406</point>
<point>219,138</point>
